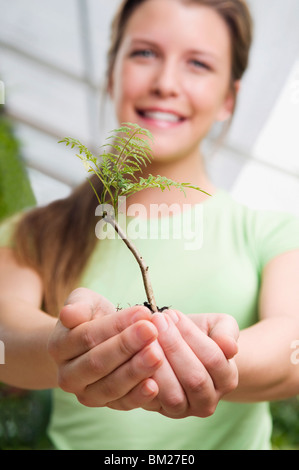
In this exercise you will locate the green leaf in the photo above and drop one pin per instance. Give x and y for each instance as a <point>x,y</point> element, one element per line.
<point>128,151</point>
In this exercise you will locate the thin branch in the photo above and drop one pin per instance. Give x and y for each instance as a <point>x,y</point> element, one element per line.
<point>143,266</point>
<point>116,172</point>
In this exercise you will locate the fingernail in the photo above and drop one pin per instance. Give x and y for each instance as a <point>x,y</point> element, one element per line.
<point>139,315</point>
<point>173,315</point>
<point>161,322</point>
<point>151,356</point>
<point>146,331</point>
<point>149,387</point>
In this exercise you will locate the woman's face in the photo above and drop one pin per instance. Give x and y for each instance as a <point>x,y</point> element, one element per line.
<point>172,74</point>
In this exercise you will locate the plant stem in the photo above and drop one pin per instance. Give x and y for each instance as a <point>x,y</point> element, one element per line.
<point>140,261</point>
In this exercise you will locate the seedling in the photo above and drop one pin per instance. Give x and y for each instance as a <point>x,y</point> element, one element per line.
<point>118,168</point>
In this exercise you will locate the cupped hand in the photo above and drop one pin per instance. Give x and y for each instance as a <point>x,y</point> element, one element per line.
<point>174,364</point>
<point>198,367</point>
<point>104,356</point>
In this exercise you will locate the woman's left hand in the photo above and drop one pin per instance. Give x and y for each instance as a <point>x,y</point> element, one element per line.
<point>199,368</point>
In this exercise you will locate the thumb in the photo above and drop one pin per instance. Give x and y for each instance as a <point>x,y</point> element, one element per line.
<point>221,328</point>
<point>225,332</point>
<point>83,305</point>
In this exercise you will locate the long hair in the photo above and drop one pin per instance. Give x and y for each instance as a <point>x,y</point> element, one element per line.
<point>58,240</point>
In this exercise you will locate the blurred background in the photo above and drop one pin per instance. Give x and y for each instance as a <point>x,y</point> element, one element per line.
<point>52,69</point>
<point>53,63</point>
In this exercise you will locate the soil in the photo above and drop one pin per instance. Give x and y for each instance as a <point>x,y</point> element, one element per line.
<point>146,304</point>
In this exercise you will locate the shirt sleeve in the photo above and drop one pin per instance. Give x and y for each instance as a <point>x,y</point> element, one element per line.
<point>275,233</point>
<point>7,229</point>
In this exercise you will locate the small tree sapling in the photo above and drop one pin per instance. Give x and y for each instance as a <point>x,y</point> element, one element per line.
<point>117,167</point>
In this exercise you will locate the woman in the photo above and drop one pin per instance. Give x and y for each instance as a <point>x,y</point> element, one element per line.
<point>126,379</point>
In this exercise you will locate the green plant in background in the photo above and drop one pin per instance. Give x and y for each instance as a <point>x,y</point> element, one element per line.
<point>15,190</point>
<point>24,417</point>
<point>117,169</point>
<point>285,424</point>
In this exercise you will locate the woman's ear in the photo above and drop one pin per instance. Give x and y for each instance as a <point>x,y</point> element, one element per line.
<point>229,103</point>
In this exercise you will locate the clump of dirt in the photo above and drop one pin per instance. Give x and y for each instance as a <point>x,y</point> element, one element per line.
<point>146,304</point>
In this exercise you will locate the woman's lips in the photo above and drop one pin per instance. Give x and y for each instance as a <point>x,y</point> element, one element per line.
<point>160,118</point>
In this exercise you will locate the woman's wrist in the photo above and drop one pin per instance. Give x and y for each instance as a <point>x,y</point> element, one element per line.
<point>25,332</point>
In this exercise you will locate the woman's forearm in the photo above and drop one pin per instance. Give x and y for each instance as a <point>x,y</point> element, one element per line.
<point>266,369</point>
<point>24,332</point>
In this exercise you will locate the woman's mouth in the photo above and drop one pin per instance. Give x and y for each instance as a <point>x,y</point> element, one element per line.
<point>159,118</point>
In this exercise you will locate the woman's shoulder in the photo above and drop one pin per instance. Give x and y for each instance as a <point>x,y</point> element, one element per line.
<point>7,228</point>
<point>258,217</point>
<point>268,232</point>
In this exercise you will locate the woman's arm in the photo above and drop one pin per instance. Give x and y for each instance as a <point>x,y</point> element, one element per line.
<point>266,369</point>
<point>24,328</point>
<point>78,350</point>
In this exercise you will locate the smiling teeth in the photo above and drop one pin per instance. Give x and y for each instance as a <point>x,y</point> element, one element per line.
<point>162,116</point>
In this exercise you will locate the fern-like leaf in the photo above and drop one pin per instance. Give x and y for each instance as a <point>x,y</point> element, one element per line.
<point>129,151</point>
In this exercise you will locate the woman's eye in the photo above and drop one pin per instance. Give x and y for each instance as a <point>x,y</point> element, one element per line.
<point>146,53</point>
<point>199,65</point>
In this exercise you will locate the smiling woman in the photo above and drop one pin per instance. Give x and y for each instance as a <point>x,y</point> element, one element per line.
<point>104,361</point>
<point>179,83</point>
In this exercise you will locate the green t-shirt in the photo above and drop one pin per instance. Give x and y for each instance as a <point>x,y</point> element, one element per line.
<point>215,267</point>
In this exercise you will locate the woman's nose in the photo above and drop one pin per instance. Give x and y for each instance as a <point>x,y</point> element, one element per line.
<point>166,80</point>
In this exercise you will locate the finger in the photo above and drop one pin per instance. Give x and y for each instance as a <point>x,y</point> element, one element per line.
<point>143,394</point>
<point>82,305</point>
<point>72,315</point>
<point>79,340</point>
<point>125,388</point>
<point>222,328</point>
<point>220,369</point>
<point>194,378</point>
<point>106,357</point>
<point>171,399</point>
<point>226,334</point>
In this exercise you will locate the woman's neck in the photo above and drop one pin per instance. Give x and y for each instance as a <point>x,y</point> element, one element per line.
<point>188,170</point>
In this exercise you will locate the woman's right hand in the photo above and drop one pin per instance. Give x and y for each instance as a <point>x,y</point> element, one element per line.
<point>104,355</point>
